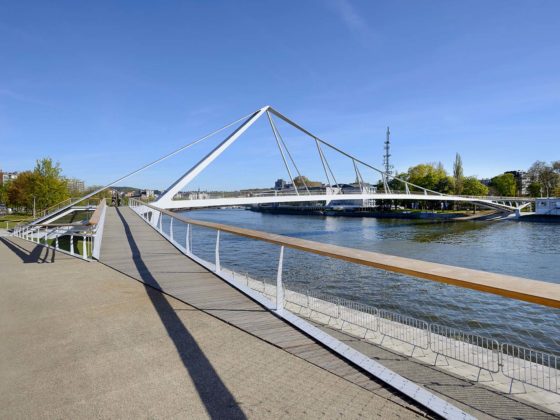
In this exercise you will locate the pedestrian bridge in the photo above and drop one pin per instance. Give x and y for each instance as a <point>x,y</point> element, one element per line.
<point>363,344</point>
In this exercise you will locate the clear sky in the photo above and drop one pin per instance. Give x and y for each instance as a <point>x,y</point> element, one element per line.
<point>105,86</point>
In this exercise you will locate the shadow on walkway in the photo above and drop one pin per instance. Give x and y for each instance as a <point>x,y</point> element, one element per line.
<point>39,254</point>
<point>217,399</point>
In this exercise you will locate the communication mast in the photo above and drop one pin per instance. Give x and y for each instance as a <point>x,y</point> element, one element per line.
<point>387,155</point>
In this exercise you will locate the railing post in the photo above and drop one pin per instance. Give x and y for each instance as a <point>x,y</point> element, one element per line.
<point>71,244</point>
<point>279,288</point>
<point>171,229</point>
<point>218,268</point>
<point>56,242</point>
<point>84,247</point>
<point>160,222</point>
<point>188,239</point>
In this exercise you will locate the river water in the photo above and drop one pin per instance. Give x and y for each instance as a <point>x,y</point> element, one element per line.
<point>530,250</point>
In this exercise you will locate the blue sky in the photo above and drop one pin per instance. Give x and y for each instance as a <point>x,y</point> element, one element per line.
<point>104,87</point>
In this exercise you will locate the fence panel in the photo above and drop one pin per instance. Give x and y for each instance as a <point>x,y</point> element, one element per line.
<point>359,314</point>
<point>475,350</point>
<point>532,367</point>
<point>404,328</point>
<point>324,304</point>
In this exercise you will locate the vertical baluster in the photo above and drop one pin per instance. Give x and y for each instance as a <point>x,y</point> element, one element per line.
<point>188,239</point>
<point>218,268</point>
<point>279,289</point>
<point>171,229</point>
<point>72,244</point>
<point>84,247</point>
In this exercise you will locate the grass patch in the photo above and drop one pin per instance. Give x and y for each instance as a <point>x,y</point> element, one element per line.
<point>64,244</point>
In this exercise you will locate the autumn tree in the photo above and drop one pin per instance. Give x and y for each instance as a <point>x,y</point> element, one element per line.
<point>20,191</point>
<point>42,187</point>
<point>302,181</point>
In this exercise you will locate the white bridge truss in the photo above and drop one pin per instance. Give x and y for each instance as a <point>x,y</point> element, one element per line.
<point>408,191</point>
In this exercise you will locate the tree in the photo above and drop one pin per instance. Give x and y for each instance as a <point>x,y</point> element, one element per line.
<point>302,180</point>
<point>44,186</point>
<point>505,185</point>
<point>49,187</point>
<point>4,193</point>
<point>458,174</point>
<point>534,189</point>
<point>20,191</point>
<point>429,176</point>
<point>472,186</point>
<point>546,175</point>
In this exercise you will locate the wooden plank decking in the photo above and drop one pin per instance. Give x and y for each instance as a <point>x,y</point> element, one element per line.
<point>134,248</point>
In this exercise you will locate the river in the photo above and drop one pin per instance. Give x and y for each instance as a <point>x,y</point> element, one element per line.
<point>530,250</point>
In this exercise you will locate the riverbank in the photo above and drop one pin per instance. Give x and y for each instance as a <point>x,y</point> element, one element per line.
<point>372,213</point>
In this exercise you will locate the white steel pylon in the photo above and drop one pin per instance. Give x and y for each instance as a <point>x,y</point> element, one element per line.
<point>165,199</point>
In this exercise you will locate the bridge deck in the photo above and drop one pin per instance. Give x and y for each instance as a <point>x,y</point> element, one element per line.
<point>134,248</point>
<point>80,340</point>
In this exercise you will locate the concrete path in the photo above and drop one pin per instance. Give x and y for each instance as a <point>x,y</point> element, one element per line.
<point>81,340</point>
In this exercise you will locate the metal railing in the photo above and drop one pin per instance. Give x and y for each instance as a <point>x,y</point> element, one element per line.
<point>404,328</point>
<point>528,366</point>
<point>485,353</point>
<point>475,350</point>
<point>65,237</point>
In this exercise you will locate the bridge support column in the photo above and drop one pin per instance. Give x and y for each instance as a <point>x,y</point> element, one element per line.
<point>279,288</point>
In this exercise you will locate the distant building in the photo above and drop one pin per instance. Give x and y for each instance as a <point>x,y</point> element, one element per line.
<point>280,184</point>
<point>76,185</point>
<point>522,180</point>
<point>192,195</point>
<point>549,206</point>
<point>485,181</point>
<point>6,177</point>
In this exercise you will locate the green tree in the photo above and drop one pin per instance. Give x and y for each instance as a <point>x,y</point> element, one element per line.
<point>49,187</point>
<point>505,185</point>
<point>428,175</point>
<point>472,186</point>
<point>44,187</point>
<point>458,174</point>
<point>534,189</point>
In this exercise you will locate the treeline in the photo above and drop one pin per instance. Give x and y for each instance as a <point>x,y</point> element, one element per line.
<point>40,188</point>
<point>544,180</point>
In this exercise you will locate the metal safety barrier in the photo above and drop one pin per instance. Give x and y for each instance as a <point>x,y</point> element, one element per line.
<point>323,304</point>
<point>536,368</point>
<point>359,314</point>
<point>404,328</point>
<point>472,349</point>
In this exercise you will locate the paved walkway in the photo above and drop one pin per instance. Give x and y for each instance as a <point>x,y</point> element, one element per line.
<point>134,248</point>
<point>80,340</point>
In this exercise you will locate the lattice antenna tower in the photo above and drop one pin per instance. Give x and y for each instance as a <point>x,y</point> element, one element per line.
<point>386,162</point>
